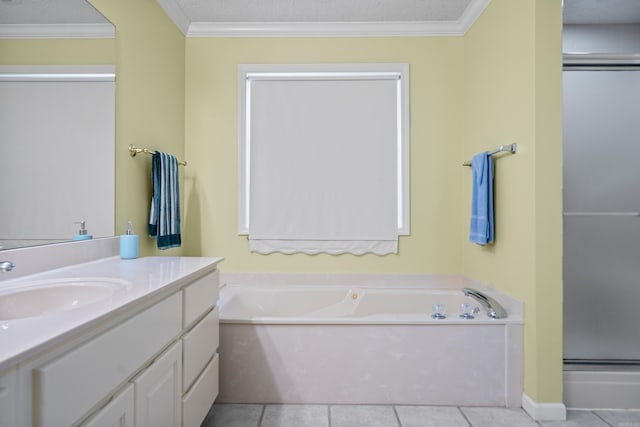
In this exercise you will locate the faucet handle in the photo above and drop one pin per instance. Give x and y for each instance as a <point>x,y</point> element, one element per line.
<point>467,312</point>
<point>7,265</point>
<point>438,312</point>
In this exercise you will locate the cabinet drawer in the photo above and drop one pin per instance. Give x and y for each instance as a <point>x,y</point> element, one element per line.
<point>199,297</point>
<point>200,344</point>
<point>196,403</point>
<point>69,386</point>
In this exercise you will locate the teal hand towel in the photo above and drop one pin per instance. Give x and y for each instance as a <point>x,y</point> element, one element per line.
<point>482,224</point>
<point>164,217</point>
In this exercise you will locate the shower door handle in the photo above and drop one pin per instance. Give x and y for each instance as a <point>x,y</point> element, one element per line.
<point>631,214</point>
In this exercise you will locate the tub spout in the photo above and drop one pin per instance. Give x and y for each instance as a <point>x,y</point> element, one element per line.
<point>494,309</point>
<point>6,265</point>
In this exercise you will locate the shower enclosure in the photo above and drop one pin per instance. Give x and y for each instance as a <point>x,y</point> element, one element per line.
<point>601,147</point>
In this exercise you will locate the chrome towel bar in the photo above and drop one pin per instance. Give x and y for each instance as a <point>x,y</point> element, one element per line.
<point>511,148</point>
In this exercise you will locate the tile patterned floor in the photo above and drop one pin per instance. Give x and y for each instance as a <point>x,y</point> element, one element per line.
<point>240,415</point>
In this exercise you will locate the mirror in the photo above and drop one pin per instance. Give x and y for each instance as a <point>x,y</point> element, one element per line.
<point>57,134</point>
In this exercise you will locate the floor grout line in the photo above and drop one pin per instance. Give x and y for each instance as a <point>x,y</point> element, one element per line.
<point>603,420</point>
<point>264,408</point>
<point>464,416</point>
<point>395,411</point>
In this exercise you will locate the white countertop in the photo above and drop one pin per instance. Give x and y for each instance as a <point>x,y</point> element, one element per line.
<point>150,279</point>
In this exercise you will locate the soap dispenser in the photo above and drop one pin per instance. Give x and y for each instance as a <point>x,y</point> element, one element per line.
<point>129,243</point>
<point>82,233</point>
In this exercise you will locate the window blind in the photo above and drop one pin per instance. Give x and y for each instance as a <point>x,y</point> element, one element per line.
<point>323,174</point>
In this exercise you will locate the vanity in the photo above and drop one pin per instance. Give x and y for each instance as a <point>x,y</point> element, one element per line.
<point>141,351</point>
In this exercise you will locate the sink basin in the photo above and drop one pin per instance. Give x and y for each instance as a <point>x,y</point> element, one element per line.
<point>31,299</point>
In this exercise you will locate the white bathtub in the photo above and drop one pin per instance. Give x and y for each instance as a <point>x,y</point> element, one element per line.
<point>365,343</point>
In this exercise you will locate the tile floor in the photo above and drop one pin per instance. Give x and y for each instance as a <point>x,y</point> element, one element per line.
<point>241,415</point>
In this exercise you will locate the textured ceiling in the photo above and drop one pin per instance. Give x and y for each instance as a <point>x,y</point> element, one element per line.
<point>601,11</point>
<point>33,12</point>
<point>322,10</point>
<point>79,11</point>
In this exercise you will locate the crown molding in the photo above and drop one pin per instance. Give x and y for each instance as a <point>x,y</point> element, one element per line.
<point>471,13</point>
<point>176,14</point>
<point>57,31</point>
<point>324,29</point>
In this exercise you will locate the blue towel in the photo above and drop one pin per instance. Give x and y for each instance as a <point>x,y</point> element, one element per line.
<point>482,226</point>
<point>164,218</point>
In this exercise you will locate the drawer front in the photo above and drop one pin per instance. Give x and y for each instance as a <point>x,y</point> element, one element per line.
<point>69,386</point>
<point>199,297</point>
<point>196,403</point>
<point>200,344</point>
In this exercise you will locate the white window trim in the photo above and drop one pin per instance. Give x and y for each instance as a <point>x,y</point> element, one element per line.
<point>326,72</point>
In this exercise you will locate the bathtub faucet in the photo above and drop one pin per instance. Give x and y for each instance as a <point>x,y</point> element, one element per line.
<point>494,309</point>
<point>6,265</point>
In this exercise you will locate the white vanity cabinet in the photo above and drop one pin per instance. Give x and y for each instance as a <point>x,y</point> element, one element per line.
<point>8,398</point>
<point>157,367</point>
<point>119,412</point>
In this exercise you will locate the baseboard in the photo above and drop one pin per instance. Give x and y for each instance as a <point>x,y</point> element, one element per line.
<point>544,411</point>
<point>602,389</point>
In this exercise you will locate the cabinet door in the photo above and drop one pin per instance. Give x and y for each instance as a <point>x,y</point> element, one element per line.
<point>158,391</point>
<point>117,413</point>
<point>8,399</point>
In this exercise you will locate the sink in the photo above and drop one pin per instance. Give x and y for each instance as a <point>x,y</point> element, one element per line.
<point>36,298</point>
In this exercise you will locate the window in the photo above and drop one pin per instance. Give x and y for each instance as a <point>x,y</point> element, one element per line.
<point>323,153</point>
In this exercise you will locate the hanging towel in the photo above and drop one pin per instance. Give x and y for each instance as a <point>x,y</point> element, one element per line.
<point>164,218</point>
<point>482,226</point>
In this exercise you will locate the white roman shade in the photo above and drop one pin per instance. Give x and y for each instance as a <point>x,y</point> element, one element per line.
<point>324,157</point>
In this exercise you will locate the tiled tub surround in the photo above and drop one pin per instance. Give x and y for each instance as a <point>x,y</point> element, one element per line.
<point>364,339</point>
<point>83,363</point>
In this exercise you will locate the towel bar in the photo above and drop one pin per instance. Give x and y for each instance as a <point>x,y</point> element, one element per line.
<point>511,148</point>
<point>133,150</point>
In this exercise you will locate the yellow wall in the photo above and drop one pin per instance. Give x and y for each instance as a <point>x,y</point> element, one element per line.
<point>513,85</point>
<point>149,104</point>
<point>436,135</point>
<point>57,52</point>
<point>498,84</point>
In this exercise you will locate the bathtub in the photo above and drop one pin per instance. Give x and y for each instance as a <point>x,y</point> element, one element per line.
<point>369,341</point>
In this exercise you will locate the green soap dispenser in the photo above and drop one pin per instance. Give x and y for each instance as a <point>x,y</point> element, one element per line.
<point>82,233</point>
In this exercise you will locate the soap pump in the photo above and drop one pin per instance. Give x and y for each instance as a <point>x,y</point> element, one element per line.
<point>82,233</point>
<point>129,243</point>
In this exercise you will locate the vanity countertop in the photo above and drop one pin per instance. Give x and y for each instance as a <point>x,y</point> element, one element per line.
<point>149,279</point>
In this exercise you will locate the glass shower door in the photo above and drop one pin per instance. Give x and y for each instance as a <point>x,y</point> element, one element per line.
<point>601,215</point>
